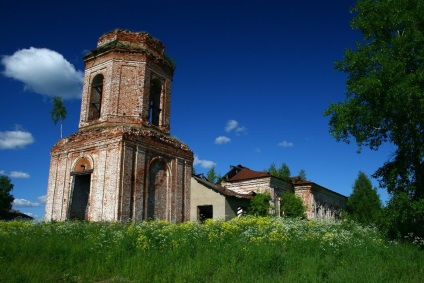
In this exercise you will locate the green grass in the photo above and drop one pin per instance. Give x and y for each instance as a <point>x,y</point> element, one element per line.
<point>241,250</point>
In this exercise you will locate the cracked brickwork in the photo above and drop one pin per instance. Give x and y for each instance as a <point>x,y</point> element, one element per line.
<point>122,163</point>
<point>321,203</point>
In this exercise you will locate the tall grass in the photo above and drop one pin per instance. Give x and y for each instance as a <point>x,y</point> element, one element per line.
<point>241,250</point>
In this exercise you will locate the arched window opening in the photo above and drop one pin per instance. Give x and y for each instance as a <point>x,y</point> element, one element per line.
<point>154,102</point>
<point>95,103</point>
<point>157,191</point>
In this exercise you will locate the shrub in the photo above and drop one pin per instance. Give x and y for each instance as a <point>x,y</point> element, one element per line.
<point>259,205</point>
<point>292,205</point>
<point>404,217</point>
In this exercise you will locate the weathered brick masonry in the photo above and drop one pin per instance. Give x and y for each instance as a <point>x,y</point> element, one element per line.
<point>122,163</point>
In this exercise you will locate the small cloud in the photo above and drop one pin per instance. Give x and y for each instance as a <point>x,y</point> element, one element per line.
<point>45,72</point>
<point>42,199</point>
<point>222,139</point>
<point>30,214</point>
<point>15,139</point>
<point>19,174</point>
<point>20,202</point>
<point>231,125</point>
<point>285,144</point>
<point>207,164</point>
<point>258,150</point>
<point>2,172</point>
<point>240,130</point>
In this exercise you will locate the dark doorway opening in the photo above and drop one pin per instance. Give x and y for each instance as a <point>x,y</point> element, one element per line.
<point>80,194</point>
<point>204,212</point>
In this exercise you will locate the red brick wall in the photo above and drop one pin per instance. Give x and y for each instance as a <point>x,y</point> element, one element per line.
<point>122,144</point>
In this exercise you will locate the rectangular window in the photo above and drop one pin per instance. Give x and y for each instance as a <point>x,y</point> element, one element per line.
<point>204,212</point>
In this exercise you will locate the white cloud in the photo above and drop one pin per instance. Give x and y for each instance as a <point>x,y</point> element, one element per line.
<point>203,163</point>
<point>42,199</point>
<point>240,130</point>
<point>24,203</point>
<point>19,174</point>
<point>231,125</point>
<point>15,174</point>
<point>258,150</point>
<point>30,214</point>
<point>44,71</point>
<point>15,139</point>
<point>285,144</point>
<point>222,139</point>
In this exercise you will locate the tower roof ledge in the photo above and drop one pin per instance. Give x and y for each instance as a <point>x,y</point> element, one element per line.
<point>131,41</point>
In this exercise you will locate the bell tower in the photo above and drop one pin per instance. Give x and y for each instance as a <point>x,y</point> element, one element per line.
<point>127,81</point>
<point>122,163</point>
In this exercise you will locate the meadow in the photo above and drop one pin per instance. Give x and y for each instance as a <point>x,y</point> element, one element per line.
<point>247,249</point>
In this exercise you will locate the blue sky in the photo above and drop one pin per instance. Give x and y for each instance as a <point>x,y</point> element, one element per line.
<point>253,79</point>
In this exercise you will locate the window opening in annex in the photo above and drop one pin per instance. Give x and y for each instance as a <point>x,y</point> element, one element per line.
<point>96,93</point>
<point>154,102</point>
<point>204,212</point>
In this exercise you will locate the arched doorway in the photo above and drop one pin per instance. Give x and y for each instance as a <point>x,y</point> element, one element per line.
<point>81,181</point>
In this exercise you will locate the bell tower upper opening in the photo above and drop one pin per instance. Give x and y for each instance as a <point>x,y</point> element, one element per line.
<point>127,81</point>
<point>95,103</point>
<point>154,101</point>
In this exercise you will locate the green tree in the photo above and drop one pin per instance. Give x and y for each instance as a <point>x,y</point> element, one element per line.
<point>403,217</point>
<point>302,174</point>
<point>58,112</point>
<point>259,205</point>
<point>292,205</point>
<point>212,176</point>
<point>385,90</point>
<point>364,204</point>
<point>283,172</point>
<point>6,198</point>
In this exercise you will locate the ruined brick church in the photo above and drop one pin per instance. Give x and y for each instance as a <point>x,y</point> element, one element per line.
<point>122,163</point>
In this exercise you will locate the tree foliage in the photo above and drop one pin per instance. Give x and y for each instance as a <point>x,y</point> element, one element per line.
<point>58,112</point>
<point>282,172</point>
<point>259,205</point>
<point>302,174</point>
<point>385,90</point>
<point>292,205</point>
<point>403,217</point>
<point>212,176</point>
<point>364,204</point>
<point>6,198</point>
